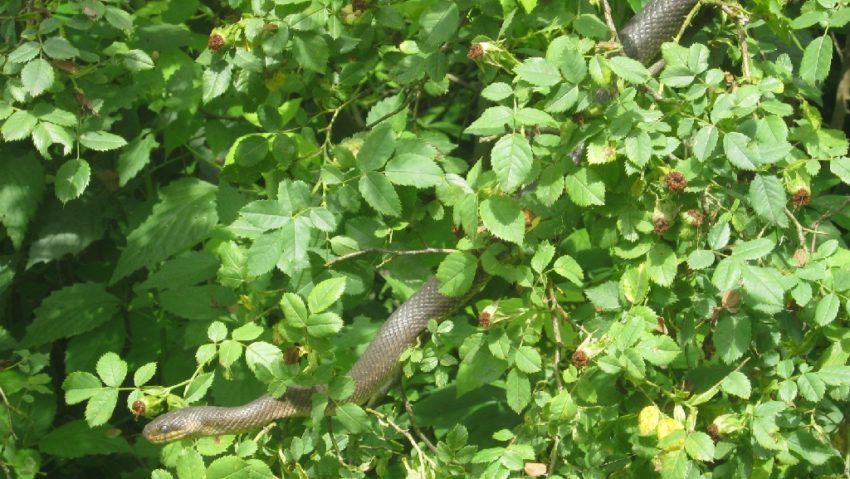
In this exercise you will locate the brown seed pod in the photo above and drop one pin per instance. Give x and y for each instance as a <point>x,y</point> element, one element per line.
<point>696,218</point>
<point>713,432</point>
<point>580,359</point>
<point>660,225</point>
<point>215,41</point>
<point>801,197</point>
<point>139,408</point>
<point>675,181</point>
<point>484,319</point>
<point>475,52</point>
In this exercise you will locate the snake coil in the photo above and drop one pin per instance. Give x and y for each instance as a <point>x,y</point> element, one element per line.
<point>641,38</point>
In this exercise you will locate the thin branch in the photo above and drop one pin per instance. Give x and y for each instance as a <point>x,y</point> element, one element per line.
<point>413,424</point>
<point>553,456</point>
<point>556,361</point>
<point>829,214</point>
<point>609,21</point>
<point>392,252</point>
<point>801,236</point>
<point>384,420</point>
<point>745,51</point>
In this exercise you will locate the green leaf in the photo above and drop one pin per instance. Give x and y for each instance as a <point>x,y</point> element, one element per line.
<point>18,126</point>
<point>630,70</point>
<point>563,407</point>
<point>569,268</point>
<point>497,91</point>
<point>352,417</point>
<point>37,76</point>
<point>70,311</point>
<point>736,384</point>
<point>658,350</point>
<point>542,256</point>
<point>21,188</point>
<point>605,295</point>
<point>835,375</point>
<point>840,167</point>
<point>827,309</point>
<point>325,294</point>
<point>100,406</point>
<point>144,374</point>
<point>585,188</point>
<point>700,259</point>
<point>765,286</point>
<point>216,81</point>
<point>736,147</point>
<point>137,60</point>
<point>76,439</point>
<point>518,390</point>
<point>705,142</point>
<point>380,194</point>
<point>811,386</point>
<point>135,157</point>
<point>503,218</point>
<point>377,148</point>
<point>198,388</point>
<point>45,134</point>
<point>264,253</point>
<point>266,214</point>
<point>184,216</point>
<point>438,23</point>
<point>638,148</point>
<point>323,324</point>
<point>311,51</point>
<point>699,446</point>
<point>755,249</point>
<point>59,48</point>
<point>101,140</point>
<point>491,122</point>
<point>718,236</point>
<point>662,263</point>
<point>528,360</point>
<point>537,72</point>
<point>767,196</point>
<point>410,169</point>
<point>512,160</point>
<point>111,369</point>
<point>217,331</point>
<point>80,386</point>
<point>232,467</point>
<point>72,178</point>
<point>732,337</point>
<point>456,273</point>
<point>817,58</point>
<point>25,52</point>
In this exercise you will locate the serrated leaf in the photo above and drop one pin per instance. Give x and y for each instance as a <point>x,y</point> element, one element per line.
<point>827,309</point>
<point>377,148</point>
<point>199,386</point>
<point>410,169</point>
<point>542,256</point>
<point>59,48</point>
<point>817,58</point>
<point>662,263</point>
<point>736,147</point>
<point>512,159</point>
<point>754,249</point>
<point>80,386</point>
<point>736,384</point>
<point>732,337</point>
<point>380,194</point>
<point>497,91</point>
<point>323,324</point>
<point>24,52</point>
<point>184,215</point>
<point>70,311</point>
<point>605,296</point>
<point>18,126</point>
<point>100,406</point>
<point>537,72</point>
<point>352,417</point>
<point>585,188</point>
<point>518,390</point>
<point>438,23</point>
<point>503,217</point>
<point>811,386</point>
<point>629,69</point>
<point>37,76</point>
<point>700,259</point>
<point>144,374</point>
<point>491,122</point>
<point>215,81</point>
<point>527,360</point>
<point>705,142</point>
<point>72,178</point>
<point>137,60</point>
<point>767,196</point>
<point>699,446</point>
<point>325,294</point>
<point>456,273</point>
<point>569,268</point>
<point>111,369</point>
<point>101,140</point>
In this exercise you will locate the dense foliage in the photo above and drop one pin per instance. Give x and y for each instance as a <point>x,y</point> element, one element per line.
<point>201,202</point>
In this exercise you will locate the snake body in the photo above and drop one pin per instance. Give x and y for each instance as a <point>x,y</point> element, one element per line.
<point>641,37</point>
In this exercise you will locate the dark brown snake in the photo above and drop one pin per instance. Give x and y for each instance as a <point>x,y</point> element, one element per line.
<point>641,38</point>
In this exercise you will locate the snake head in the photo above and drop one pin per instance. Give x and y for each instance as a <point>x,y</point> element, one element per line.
<point>172,426</point>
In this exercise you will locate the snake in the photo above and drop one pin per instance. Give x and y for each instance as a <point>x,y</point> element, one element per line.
<point>641,38</point>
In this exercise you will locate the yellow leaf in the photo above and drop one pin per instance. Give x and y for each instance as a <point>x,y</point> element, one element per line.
<point>648,420</point>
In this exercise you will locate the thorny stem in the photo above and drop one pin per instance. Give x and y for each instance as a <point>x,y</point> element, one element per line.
<point>829,214</point>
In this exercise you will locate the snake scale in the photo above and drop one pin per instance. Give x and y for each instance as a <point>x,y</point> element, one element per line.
<point>641,38</point>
